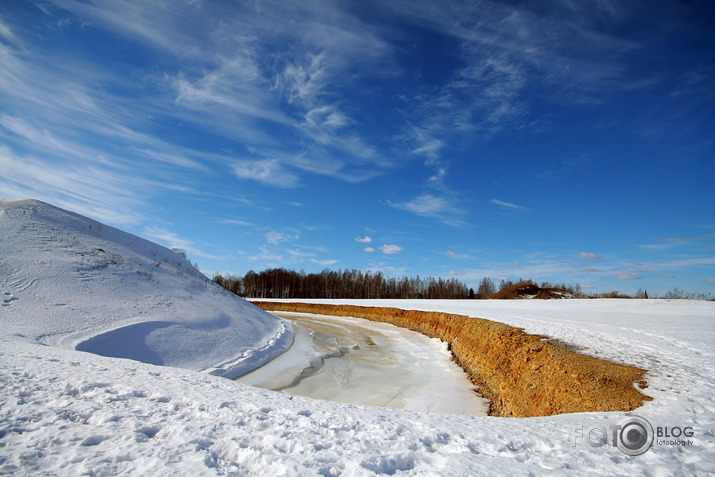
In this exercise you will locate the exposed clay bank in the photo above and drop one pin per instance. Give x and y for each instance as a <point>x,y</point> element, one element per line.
<point>522,375</point>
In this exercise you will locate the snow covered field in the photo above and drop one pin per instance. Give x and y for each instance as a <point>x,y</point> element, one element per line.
<point>68,412</point>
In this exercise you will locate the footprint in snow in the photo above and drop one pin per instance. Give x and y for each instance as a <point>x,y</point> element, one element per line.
<point>8,298</point>
<point>150,431</point>
<point>93,440</point>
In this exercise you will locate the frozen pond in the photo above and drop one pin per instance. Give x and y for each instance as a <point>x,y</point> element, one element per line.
<point>363,362</point>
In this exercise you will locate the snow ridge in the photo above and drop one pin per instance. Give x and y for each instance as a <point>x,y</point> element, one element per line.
<point>73,282</point>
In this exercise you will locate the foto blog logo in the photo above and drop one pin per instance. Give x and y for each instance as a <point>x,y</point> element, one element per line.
<point>633,435</point>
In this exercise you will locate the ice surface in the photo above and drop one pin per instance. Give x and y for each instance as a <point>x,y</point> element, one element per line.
<point>362,362</point>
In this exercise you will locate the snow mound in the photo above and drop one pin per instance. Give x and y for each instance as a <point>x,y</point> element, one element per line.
<point>69,281</point>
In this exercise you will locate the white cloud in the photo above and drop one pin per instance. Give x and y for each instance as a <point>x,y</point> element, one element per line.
<point>174,241</point>
<point>589,255</point>
<point>300,254</point>
<point>438,178</point>
<point>657,246</point>
<point>453,254</point>
<point>324,262</point>
<point>6,32</point>
<point>369,249</point>
<point>507,205</point>
<point>267,257</point>
<point>218,80</point>
<point>83,148</point>
<point>429,147</point>
<point>628,276</point>
<point>390,249</point>
<point>429,205</point>
<point>689,262</point>
<point>172,158</point>
<point>268,171</point>
<point>425,204</point>
<point>171,239</point>
<point>90,190</point>
<point>279,237</point>
<point>303,80</point>
<point>365,239</point>
<point>235,222</point>
<point>327,117</point>
<point>507,49</point>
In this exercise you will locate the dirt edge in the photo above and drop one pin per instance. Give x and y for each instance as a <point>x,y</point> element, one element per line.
<point>522,375</point>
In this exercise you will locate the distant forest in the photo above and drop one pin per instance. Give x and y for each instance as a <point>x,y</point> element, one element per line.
<point>353,284</point>
<point>358,284</point>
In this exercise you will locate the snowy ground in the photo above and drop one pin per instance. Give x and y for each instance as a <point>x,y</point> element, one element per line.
<point>68,412</point>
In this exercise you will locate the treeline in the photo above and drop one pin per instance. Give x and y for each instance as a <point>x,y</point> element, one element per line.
<point>356,284</point>
<point>352,284</point>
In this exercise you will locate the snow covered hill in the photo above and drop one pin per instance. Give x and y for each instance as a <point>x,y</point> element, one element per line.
<point>69,281</point>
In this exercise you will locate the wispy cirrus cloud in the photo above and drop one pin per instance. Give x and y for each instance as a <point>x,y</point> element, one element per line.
<point>76,148</point>
<point>295,91</point>
<point>242,223</point>
<point>589,255</point>
<point>511,58</point>
<point>425,204</point>
<point>506,205</point>
<point>457,255</point>
<point>441,207</point>
<point>91,191</point>
<point>274,237</point>
<point>687,262</point>
<point>680,242</point>
<point>172,240</point>
<point>202,65</point>
<point>324,263</point>
<point>267,257</point>
<point>268,171</point>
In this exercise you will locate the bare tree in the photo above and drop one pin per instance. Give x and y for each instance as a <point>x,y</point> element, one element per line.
<point>486,288</point>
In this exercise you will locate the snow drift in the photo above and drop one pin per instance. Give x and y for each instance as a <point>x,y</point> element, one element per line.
<point>73,282</point>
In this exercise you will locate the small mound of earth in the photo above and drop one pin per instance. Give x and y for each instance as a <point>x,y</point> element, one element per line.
<point>527,290</point>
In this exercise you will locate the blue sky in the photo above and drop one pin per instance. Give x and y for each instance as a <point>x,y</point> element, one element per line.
<point>567,141</point>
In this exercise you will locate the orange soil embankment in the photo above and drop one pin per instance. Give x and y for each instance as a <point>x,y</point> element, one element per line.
<point>522,375</point>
